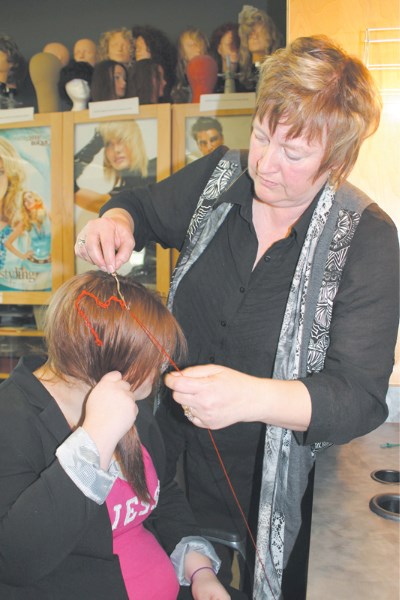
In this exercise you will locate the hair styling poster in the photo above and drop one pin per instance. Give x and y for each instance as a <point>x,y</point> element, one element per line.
<point>25,209</point>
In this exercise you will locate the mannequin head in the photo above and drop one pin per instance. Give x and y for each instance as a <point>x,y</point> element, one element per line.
<point>224,46</point>
<point>142,50</point>
<point>78,90</point>
<point>85,50</point>
<point>259,37</point>
<point>202,72</point>
<point>13,66</point>
<point>74,84</point>
<point>117,45</point>
<point>192,42</point>
<point>59,50</point>
<point>155,44</point>
<point>5,66</point>
<point>146,81</point>
<point>44,69</point>
<point>258,33</point>
<point>207,133</point>
<point>109,81</point>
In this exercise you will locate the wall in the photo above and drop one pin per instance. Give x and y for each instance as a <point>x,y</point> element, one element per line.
<point>378,166</point>
<point>33,23</point>
<point>346,22</point>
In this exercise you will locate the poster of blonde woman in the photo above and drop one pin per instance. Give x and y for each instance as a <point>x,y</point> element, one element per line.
<point>110,157</point>
<point>25,204</point>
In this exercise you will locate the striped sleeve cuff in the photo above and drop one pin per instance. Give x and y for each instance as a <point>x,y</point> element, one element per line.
<point>192,544</point>
<point>80,459</point>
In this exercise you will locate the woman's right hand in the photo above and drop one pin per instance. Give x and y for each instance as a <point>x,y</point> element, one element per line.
<point>109,414</point>
<point>107,242</point>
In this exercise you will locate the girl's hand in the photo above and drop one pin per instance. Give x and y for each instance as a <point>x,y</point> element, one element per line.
<point>110,412</point>
<point>206,586</point>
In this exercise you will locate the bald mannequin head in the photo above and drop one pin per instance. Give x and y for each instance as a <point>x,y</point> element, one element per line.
<point>44,69</point>
<point>85,50</point>
<point>59,50</point>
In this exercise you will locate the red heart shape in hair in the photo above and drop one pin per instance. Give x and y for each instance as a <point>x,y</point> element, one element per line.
<point>97,300</point>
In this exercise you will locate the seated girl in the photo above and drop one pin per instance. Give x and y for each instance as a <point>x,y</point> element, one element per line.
<point>85,510</point>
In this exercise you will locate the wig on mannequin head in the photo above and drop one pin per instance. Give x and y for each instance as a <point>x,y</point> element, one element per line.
<point>215,41</point>
<point>250,17</point>
<point>18,65</point>
<point>74,70</point>
<point>194,36</point>
<point>162,51</point>
<point>106,38</point>
<point>202,72</point>
<point>146,81</point>
<point>103,83</point>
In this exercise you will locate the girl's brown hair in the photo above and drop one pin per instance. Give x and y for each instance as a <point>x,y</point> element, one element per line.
<point>126,347</point>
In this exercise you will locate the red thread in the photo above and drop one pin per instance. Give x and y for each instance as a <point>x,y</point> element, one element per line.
<point>239,507</point>
<point>163,351</point>
<point>122,304</point>
<point>99,303</point>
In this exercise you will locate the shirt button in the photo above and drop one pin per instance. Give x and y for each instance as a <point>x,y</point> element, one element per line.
<point>212,359</point>
<point>267,258</point>
<point>242,290</point>
<point>223,323</point>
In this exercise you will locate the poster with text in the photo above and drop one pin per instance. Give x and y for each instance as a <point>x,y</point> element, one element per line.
<point>25,209</point>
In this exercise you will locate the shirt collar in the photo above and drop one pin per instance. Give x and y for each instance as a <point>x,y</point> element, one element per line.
<point>300,228</point>
<point>239,192</point>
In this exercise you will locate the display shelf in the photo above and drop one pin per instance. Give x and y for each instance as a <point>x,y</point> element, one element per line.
<point>20,332</point>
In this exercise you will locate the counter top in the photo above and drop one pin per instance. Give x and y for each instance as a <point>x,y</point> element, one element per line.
<point>354,553</point>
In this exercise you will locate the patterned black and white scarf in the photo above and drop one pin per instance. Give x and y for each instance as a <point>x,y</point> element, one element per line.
<point>303,343</point>
<point>302,346</point>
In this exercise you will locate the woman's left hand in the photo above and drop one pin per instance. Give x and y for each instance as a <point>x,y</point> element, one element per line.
<point>214,396</point>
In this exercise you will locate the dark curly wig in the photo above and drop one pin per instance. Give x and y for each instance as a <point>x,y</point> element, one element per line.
<point>217,36</point>
<point>162,51</point>
<point>19,66</point>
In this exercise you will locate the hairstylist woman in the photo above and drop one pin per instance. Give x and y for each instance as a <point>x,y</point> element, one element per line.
<point>287,291</point>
